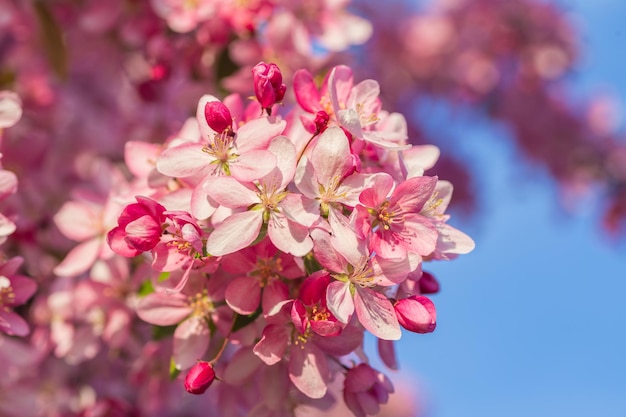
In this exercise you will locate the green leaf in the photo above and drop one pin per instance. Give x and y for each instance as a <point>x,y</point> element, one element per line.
<point>161,332</point>
<point>311,264</point>
<point>174,371</point>
<point>242,321</point>
<point>145,288</point>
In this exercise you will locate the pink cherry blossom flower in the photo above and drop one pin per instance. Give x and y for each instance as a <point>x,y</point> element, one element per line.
<point>181,248</point>
<point>365,389</point>
<point>392,222</point>
<point>356,108</point>
<point>358,275</point>
<point>190,310</point>
<point>307,359</point>
<point>139,228</point>
<point>15,290</point>
<point>259,274</point>
<point>267,202</point>
<point>310,311</point>
<point>328,177</point>
<point>243,155</point>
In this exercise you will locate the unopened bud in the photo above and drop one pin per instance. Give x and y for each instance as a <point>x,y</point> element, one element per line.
<point>218,116</point>
<point>416,314</point>
<point>321,121</point>
<point>428,284</point>
<point>199,378</point>
<point>268,84</point>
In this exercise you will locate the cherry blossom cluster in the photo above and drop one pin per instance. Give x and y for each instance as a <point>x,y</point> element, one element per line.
<point>266,237</point>
<point>277,240</point>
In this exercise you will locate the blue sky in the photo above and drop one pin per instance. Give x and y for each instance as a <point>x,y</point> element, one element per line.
<point>532,323</point>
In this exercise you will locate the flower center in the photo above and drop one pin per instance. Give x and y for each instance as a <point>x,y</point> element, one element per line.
<point>268,270</point>
<point>319,313</point>
<point>201,305</point>
<point>222,149</point>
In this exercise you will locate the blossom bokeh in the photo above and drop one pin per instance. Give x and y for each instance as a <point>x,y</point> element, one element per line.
<point>201,197</point>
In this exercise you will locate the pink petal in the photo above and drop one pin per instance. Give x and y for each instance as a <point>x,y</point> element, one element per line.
<point>387,353</point>
<point>191,340</point>
<point>229,192</point>
<point>78,221</point>
<point>413,193</point>
<point>288,236</point>
<point>331,157</point>
<point>351,120</point>
<point>163,309</point>
<point>308,370</point>
<point>453,242</point>
<point>305,179</point>
<point>252,165</point>
<point>13,324</point>
<point>236,232</point>
<point>184,160</point>
<point>140,157</point>
<point>285,154</point>
<point>241,366</point>
<point>420,235</point>
<point>273,344</point>
<point>376,314</point>
<point>306,92</point>
<point>23,289</point>
<point>202,205</point>
<point>258,133</point>
<point>8,184</point>
<point>339,300</point>
<point>274,293</point>
<point>325,252</point>
<point>167,258</point>
<point>80,258</point>
<point>350,339</point>
<point>243,295</point>
<point>377,194</point>
<point>300,209</point>
<point>339,85</point>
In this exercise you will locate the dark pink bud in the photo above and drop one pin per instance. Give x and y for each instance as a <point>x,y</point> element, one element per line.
<point>321,121</point>
<point>428,284</point>
<point>416,314</point>
<point>218,116</point>
<point>199,378</point>
<point>268,84</point>
<point>139,228</point>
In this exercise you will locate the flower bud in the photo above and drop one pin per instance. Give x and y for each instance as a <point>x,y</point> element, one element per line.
<point>321,121</point>
<point>428,284</point>
<point>268,84</point>
<point>416,314</point>
<point>218,116</point>
<point>199,378</point>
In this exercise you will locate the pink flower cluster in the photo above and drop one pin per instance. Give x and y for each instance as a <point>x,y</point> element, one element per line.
<point>265,237</point>
<point>278,239</point>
